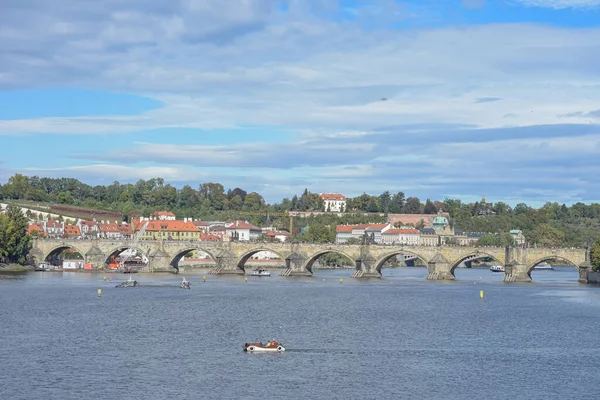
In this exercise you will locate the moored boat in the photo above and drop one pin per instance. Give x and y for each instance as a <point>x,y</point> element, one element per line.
<point>260,272</point>
<point>497,268</point>
<point>257,347</point>
<point>543,266</point>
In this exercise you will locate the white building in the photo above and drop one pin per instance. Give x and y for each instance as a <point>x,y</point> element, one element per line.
<point>333,202</point>
<point>376,230</point>
<point>408,237</point>
<point>54,228</point>
<point>243,230</point>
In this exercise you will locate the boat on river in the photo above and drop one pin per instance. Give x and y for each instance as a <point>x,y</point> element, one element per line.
<point>260,272</point>
<point>497,268</point>
<point>185,284</point>
<point>128,283</point>
<point>257,347</point>
<point>543,266</point>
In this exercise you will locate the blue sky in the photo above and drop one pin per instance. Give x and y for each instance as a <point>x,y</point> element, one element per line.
<point>456,98</point>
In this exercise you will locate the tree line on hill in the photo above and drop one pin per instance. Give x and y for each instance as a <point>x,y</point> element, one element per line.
<point>551,225</point>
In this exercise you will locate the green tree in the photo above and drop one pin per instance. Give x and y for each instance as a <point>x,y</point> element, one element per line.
<point>413,206</point>
<point>545,235</point>
<point>595,255</point>
<point>14,241</point>
<point>385,200</point>
<point>319,234</point>
<point>397,203</point>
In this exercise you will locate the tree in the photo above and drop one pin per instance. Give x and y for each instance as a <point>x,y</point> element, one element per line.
<point>545,235</point>
<point>319,234</point>
<point>413,206</point>
<point>429,208</point>
<point>595,256</point>
<point>236,203</point>
<point>397,203</point>
<point>14,241</point>
<point>385,200</point>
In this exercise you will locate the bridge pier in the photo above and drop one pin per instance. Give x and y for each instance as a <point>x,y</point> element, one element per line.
<point>226,264</point>
<point>295,265</point>
<point>584,270</point>
<point>366,267</point>
<point>96,257</point>
<point>439,269</point>
<point>160,261</point>
<point>515,271</point>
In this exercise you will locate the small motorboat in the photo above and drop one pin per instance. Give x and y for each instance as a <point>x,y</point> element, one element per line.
<point>185,284</point>
<point>258,347</point>
<point>128,283</point>
<point>543,266</point>
<point>497,268</point>
<point>260,272</point>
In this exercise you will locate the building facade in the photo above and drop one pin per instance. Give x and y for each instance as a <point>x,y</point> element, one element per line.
<point>333,202</point>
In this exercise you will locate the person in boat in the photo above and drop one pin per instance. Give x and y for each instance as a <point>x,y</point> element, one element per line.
<point>268,344</point>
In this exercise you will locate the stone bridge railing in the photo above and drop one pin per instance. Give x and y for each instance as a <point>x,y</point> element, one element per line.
<point>230,257</point>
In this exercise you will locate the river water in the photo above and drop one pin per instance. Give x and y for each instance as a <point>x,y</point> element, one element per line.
<point>400,337</point>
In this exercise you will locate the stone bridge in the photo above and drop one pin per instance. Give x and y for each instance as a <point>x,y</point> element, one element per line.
<point>230,257</point>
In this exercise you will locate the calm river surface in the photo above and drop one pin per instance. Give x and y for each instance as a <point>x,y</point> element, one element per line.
<point>399,337</point>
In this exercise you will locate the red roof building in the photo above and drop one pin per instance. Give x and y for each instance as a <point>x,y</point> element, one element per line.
<point>72,231</point>
<point>37,228</point>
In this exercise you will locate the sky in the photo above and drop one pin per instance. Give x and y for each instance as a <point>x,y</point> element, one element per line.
<point>438,99</point>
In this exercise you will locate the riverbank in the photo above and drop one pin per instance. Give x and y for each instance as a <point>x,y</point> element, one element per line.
<point>15,268</point>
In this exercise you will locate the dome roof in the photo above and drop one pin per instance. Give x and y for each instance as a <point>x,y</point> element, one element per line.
<point>439,220</point>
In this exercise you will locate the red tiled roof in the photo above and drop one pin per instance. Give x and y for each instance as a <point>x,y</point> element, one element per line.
<point>402,232</point>
<point>332,196</point>
<point>170,226</point>
<point>163,213</point>
<point>72,230</point>
<point>35,227</point>
<point>242,225</point>
<point>209,238</point>
<point>344,228</point>
<point>125,229</point>
<point>200,223</point>
<point>377,226</point>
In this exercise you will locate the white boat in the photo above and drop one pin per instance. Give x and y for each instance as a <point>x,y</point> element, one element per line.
<point>543,266</point>
<point>185,284</point>
<point>270,347</point>
<point>260,272</point>
<point>497,268</point>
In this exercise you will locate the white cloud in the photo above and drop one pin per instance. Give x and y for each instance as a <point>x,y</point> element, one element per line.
<point>112,172</point>
<point>560,4</point>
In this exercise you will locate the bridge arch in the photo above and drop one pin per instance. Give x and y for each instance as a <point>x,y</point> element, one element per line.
<point>382,260</point>
<point>241,262</point>
<point>473,256</point>
<point>53,255</point>
<point>530,267</point>
<point>174,262</point>
<point>313,258</point>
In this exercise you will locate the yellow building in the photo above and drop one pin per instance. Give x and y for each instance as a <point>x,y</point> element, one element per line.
<point>169,230</point>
